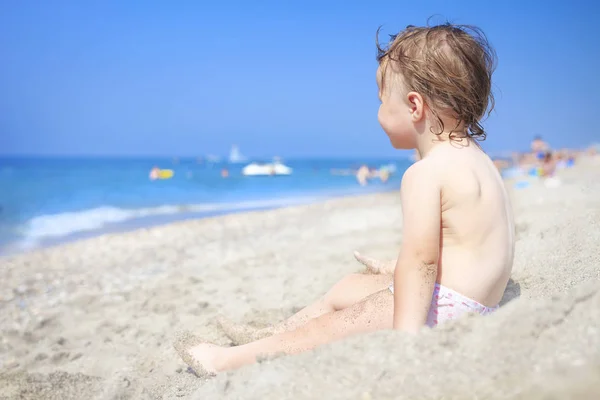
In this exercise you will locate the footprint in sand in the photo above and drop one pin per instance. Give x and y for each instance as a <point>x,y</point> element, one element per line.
<point>60,357</point>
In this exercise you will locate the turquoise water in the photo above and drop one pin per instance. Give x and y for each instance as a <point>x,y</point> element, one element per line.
<point>52,200</point>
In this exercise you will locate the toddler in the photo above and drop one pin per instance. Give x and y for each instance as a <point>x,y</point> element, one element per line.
<point>458,232</point>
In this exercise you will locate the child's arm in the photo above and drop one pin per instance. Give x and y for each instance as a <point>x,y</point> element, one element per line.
<point>416,270</point>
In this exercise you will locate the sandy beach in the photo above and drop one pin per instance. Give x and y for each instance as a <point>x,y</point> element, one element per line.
<point>95,319</point>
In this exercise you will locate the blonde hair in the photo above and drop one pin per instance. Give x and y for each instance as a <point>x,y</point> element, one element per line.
<point>451,66</point>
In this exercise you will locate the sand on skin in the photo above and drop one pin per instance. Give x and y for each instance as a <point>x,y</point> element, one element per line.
<point>96,318</point>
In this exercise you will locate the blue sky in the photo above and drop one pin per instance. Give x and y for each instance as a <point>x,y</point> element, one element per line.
<point>290,78</point>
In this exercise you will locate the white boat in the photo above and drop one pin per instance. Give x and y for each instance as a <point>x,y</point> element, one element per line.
<point>270,169</point>
<point>235,156</point>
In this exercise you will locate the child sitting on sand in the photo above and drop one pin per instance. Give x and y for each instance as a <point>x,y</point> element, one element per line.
<point>458,232</point>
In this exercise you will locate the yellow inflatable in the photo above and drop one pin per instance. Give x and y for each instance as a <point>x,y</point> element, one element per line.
<point>165,174</point>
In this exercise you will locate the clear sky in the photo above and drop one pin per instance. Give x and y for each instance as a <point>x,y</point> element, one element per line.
<point>292,78</point>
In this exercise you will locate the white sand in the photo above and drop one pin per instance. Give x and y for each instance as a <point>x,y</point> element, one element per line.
<point>95,318</point>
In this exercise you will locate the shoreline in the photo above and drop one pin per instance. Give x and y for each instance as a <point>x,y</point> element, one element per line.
<point>134,229</point>
<point>147,222</point>
<point>117,196</point>
<point>97,317</point>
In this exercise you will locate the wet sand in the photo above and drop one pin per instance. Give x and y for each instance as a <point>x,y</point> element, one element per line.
<point>96,318</point>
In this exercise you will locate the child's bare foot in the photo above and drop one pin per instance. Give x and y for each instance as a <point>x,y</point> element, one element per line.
<point>205,359</point>
<point>241,333</point>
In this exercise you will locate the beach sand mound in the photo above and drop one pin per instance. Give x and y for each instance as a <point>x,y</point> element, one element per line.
<point>529,349</point>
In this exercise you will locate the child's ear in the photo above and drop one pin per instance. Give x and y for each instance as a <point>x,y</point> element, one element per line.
<point>416,106</point>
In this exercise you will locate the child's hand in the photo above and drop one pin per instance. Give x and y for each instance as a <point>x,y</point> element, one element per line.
<point>375,266</point>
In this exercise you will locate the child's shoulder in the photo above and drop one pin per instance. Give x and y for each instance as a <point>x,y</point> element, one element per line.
<point>423,173</point>
<point>432,167</point>
<point>447,167</point>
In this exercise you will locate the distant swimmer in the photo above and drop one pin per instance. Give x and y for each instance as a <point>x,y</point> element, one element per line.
<point>157,173</point>
<point>154,173</point>
<point>362,175</point>
<point>384,175</point>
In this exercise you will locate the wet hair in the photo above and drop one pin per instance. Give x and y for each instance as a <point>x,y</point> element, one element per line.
<point>451,66</point>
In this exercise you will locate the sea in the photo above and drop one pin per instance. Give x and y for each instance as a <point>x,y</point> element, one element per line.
<point>47,201</point>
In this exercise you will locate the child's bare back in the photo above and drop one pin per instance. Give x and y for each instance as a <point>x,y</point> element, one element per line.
<point>477,230</point>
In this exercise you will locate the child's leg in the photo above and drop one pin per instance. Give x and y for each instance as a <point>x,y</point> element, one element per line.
<point>348,291</point>
<point>371,314</point>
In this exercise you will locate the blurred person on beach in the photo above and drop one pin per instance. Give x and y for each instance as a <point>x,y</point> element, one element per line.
<point>539,146</point>
<point>548,164</point>
<point>458,232</point>
<point>539,150</point>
